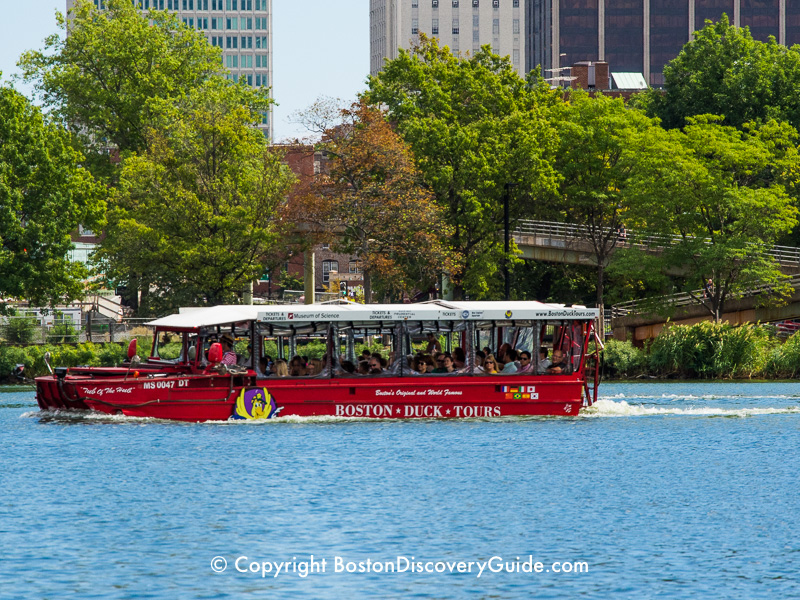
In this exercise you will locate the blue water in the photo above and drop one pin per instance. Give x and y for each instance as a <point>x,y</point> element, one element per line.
<point>664,491</point>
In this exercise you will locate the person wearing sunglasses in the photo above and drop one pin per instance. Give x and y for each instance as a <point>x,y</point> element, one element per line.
<point>375,367</point>
<point>525,364</point>
<point>490,365</point>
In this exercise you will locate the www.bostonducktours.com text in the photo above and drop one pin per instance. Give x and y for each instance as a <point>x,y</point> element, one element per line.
<point>400,564</point>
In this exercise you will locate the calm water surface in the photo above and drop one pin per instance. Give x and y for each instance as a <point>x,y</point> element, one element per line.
<point>663,490</point>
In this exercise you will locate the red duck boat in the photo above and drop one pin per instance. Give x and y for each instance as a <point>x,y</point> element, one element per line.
<point>193,374</point>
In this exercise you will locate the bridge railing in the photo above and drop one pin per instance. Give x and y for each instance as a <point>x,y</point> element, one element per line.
<point>785,255</point>
<point>635,307</point>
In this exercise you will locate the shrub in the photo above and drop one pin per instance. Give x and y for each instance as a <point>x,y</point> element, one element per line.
<point>624,359</point>
<point>20,330</point>
<point>707,350</point>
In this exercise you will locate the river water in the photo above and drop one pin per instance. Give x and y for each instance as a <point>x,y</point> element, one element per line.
<point>675,491</point>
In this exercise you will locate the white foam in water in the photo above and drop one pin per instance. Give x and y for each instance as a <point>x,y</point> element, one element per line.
<point>611,408</point>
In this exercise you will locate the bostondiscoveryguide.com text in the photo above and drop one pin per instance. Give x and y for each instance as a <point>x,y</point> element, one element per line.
<point>401,564</point>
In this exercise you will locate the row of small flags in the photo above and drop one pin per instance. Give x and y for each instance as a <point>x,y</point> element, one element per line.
<point>521,392</point>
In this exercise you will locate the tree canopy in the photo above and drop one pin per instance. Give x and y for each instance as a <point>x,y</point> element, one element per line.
<point>101,80</point>
<point>724,71</point>
<point>371,200</point>
<point>473,125</point>
<point>45,195</point>
<point>722,197</point>
<point>195,215</point>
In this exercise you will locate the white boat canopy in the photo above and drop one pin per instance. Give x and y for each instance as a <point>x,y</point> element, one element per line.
<point>379,316</point>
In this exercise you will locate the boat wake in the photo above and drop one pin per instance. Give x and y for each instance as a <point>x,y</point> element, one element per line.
<point>621,408</point>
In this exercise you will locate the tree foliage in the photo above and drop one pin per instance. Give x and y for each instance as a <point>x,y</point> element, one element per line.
<point>722,193</point>
<point>474,125</point>
<point>195,215</point>
<point>102,79</point>
<point>602,145</point>
<point>44,196</point>
<point>724,71</point>
<point>371,201</point>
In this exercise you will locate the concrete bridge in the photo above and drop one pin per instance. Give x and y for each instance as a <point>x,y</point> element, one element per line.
<point>639,320</point>
<point>565,243</point>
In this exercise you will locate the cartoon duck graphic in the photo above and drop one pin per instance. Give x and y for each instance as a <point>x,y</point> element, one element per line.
<point>253,404</point>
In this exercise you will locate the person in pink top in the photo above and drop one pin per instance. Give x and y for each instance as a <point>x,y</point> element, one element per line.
<point>229,356</point>
<point>525,365</point>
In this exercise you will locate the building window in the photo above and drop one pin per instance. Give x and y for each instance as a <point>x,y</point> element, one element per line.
<point>327,267</point>
<point>515,4</point>
<point>231,42</point>
<point>261,61</point>
<point>262,80</point>
<point>247,42</point>
<point>247,63</point>
<point>455,3</point>
<point>261,4</point>
<point>247,4</point>
<point>495,3</point>
<point>232,23</point>
<point>414,3</point>
<point>455,26</point>
<point>496,26</point>
<point>475,3</point>
<point>414,26</point>
<point>261,42</point>
<point>435,3</point>
<point>355,266</point>
<point>326,246</point>
<point>516,26</point>
<point>231,5</point>
<point>435,27</point>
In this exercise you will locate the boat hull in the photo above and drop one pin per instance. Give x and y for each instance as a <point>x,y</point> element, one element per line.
<point>198,398</point>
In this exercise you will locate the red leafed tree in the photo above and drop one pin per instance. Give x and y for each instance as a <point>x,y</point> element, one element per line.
<point>370,200</point>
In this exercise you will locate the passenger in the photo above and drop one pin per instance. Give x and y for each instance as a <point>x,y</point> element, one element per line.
<point>433,344</point>
<point>375,366</point>
<point>446,365</point>
<point>380,359</point>
<point>559,366</point>
<point>314,367</point>
<point>486,351</point>
<point>490,365</point>
<point>501,353</point>
<point>428,360</point>
<point>479,358</point>
<point>544,362</point>
<point>418,365</point>
<point>365,354</point>
<point>280,368</point>
<point>229,356</point>
<point>509,361</point>
<point>363,367</point>
<point>348,367</point>
<point>297,366</point>
<point>525,362</point>
<point>459,359</point>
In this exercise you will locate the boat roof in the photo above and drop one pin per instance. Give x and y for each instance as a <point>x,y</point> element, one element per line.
<point>366,314</point>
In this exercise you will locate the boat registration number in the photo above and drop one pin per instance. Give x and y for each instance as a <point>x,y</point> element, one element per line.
<point>165,385</point>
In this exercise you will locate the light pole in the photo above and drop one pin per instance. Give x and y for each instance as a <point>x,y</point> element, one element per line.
<point>506,199</point>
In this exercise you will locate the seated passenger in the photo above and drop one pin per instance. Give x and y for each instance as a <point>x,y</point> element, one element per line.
<point>509,361</point>
<point>560,365</point>
<point>375,366</point>
<point>348,367</point>
<point>280,368</point>
<point>544,362</point>
<point>314,367</point>
<point>229,357</point>
<point>525,362</point>
<point>459,358</point>
<point>418,365</point>
<point>363,367</point>
<point>490,365</point>
<point>433,344</point>
<point>480,356</point>
<point>446,365</point>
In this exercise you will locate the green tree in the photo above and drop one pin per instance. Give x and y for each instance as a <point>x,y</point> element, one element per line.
<point>44,196</point>
<point>722,194</point>
<point>195,215</point>
<point>474,126</point>
<point>602,144</point>
<point>102,79</point>
<point>371,200</point>
<point>724,71</point>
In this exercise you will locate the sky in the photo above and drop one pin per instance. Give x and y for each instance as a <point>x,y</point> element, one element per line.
<point>320,48</point>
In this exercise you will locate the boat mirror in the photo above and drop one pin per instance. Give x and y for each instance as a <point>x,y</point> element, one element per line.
<point>132,349</point>
<point>215,353</point>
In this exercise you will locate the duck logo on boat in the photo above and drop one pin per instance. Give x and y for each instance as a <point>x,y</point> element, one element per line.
<point>254,403</point>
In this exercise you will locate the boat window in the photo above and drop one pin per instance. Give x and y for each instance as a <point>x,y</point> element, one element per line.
<point>167,346</point>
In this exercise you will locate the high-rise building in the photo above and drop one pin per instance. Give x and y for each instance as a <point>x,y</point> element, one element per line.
<point>641,36</point>
<point>462,25</point>
<point>241,28</point>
